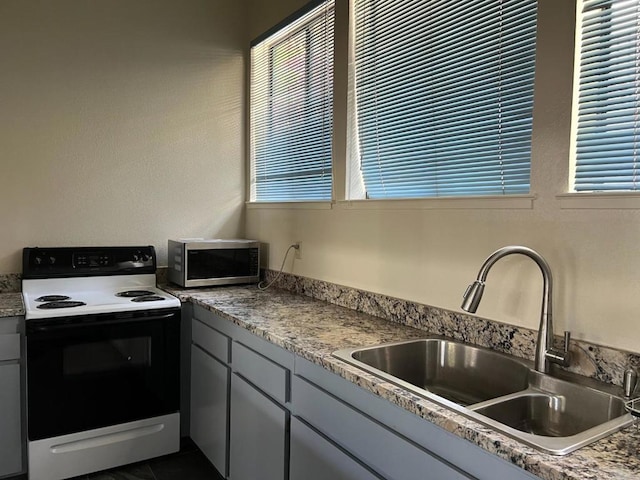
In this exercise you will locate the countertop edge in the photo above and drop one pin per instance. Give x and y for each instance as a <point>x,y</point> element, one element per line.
<point>11,305</point>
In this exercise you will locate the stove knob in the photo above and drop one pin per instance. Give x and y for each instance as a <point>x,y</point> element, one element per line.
<point>136,257</point>
<point>145,258</point>
<point>37,260</point>
<point>52,260</point>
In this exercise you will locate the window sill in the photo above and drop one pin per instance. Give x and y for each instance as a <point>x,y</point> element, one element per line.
<point>516,202</point>
<point>311,205</point>
<point>618,200</point>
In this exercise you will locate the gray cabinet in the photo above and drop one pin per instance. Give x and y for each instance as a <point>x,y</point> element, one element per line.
<point>313,457</point>
<point>259,410</point>
<point>239,402</point>
<point>210,377</point>
<point>276,416</point>
<point>209,406</point>
<point>259,431</point>
<point>11,438</point>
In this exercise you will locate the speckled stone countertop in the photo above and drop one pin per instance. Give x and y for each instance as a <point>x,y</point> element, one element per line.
<point>11,305</point>
<point>314,329</point>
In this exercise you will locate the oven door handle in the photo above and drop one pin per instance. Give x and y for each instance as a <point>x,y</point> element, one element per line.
<point>51,325</point>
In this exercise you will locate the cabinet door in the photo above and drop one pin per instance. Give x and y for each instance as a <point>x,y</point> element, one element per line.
<point>258,448</point>
<point>374,444</point>
<point>209,407</point>
<point>315,458</point>
<point>10,423</point>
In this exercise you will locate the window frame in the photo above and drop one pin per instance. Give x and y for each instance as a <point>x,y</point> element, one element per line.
<point>451,164</point>
<point>572,199</point>
<point>341,168</point>
<point>277,31</point>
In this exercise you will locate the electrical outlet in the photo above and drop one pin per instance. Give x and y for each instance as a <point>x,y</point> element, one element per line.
<point>298,255</point>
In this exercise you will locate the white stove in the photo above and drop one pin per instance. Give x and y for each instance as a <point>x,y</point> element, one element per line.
<point>103,360</point>
<point>63,297</point>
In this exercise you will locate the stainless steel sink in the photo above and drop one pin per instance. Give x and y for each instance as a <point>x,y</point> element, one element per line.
<point>456,371</point>
<point>554,415</point>
<point>550,415</point>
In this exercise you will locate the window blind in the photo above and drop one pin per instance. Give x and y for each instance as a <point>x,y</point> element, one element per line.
<point>443,96</point>
<point>291,109</point>
<point>608,118</point>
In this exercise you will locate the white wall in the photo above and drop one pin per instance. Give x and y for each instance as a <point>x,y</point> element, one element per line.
<point>121,122</point>
<point>264,14</point>
<point>430,256</point>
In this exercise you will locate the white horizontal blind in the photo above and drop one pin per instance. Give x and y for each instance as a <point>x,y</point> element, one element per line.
<point>291,109</point>
<point>608,133</point>
<point>444,96</point>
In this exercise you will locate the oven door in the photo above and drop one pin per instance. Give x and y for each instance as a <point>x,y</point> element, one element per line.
<point>88,372</point>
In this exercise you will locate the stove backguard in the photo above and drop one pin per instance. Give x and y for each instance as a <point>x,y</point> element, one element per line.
<point>57,262</point>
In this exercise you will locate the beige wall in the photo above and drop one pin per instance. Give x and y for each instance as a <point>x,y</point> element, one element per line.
<point>121,122</point>
<point>431,256</point>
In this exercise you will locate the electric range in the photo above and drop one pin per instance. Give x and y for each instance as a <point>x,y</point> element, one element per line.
<point>102,350</point>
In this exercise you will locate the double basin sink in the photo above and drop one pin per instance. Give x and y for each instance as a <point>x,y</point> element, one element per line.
<point>552,414</point>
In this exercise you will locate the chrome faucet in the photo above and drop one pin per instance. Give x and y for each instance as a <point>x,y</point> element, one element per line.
<point>545,353</point>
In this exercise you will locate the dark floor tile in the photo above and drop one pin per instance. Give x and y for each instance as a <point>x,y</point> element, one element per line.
<point>187,445</point>
<point>138,471</point>
<point>185,465</point>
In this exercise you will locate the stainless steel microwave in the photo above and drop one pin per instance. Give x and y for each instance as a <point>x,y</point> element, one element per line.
<point>199,263</point>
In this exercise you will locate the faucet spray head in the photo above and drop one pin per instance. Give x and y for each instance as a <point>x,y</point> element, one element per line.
<point>472,296</point>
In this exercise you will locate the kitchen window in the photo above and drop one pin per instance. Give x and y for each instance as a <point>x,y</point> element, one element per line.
<point>291,104</point>
<point>607,123</point>
<point>441,98</point>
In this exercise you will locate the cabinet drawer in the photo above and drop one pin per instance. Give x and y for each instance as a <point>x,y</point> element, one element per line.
<point>384,451</point>
<point>314,458</point>
<point>268,376</point>
<point>210,340</point>
<point>10,346</point>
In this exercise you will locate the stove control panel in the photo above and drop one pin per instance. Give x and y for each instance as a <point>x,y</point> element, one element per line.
<point>87,261</point>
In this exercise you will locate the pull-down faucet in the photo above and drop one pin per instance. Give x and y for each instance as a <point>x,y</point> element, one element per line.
<point>545,353</point>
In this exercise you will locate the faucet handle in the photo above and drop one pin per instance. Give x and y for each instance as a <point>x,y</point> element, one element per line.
<point>567,340</point>
<point>565,356</point>
<point>630,379</point>
<point>560,357</point>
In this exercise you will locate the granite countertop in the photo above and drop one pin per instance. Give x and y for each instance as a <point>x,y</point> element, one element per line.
<point>314,329</point>
<point>11,305</point>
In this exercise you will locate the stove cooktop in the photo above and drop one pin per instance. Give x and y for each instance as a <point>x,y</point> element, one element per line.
<point>69,281</point>
<point>47,298</point>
